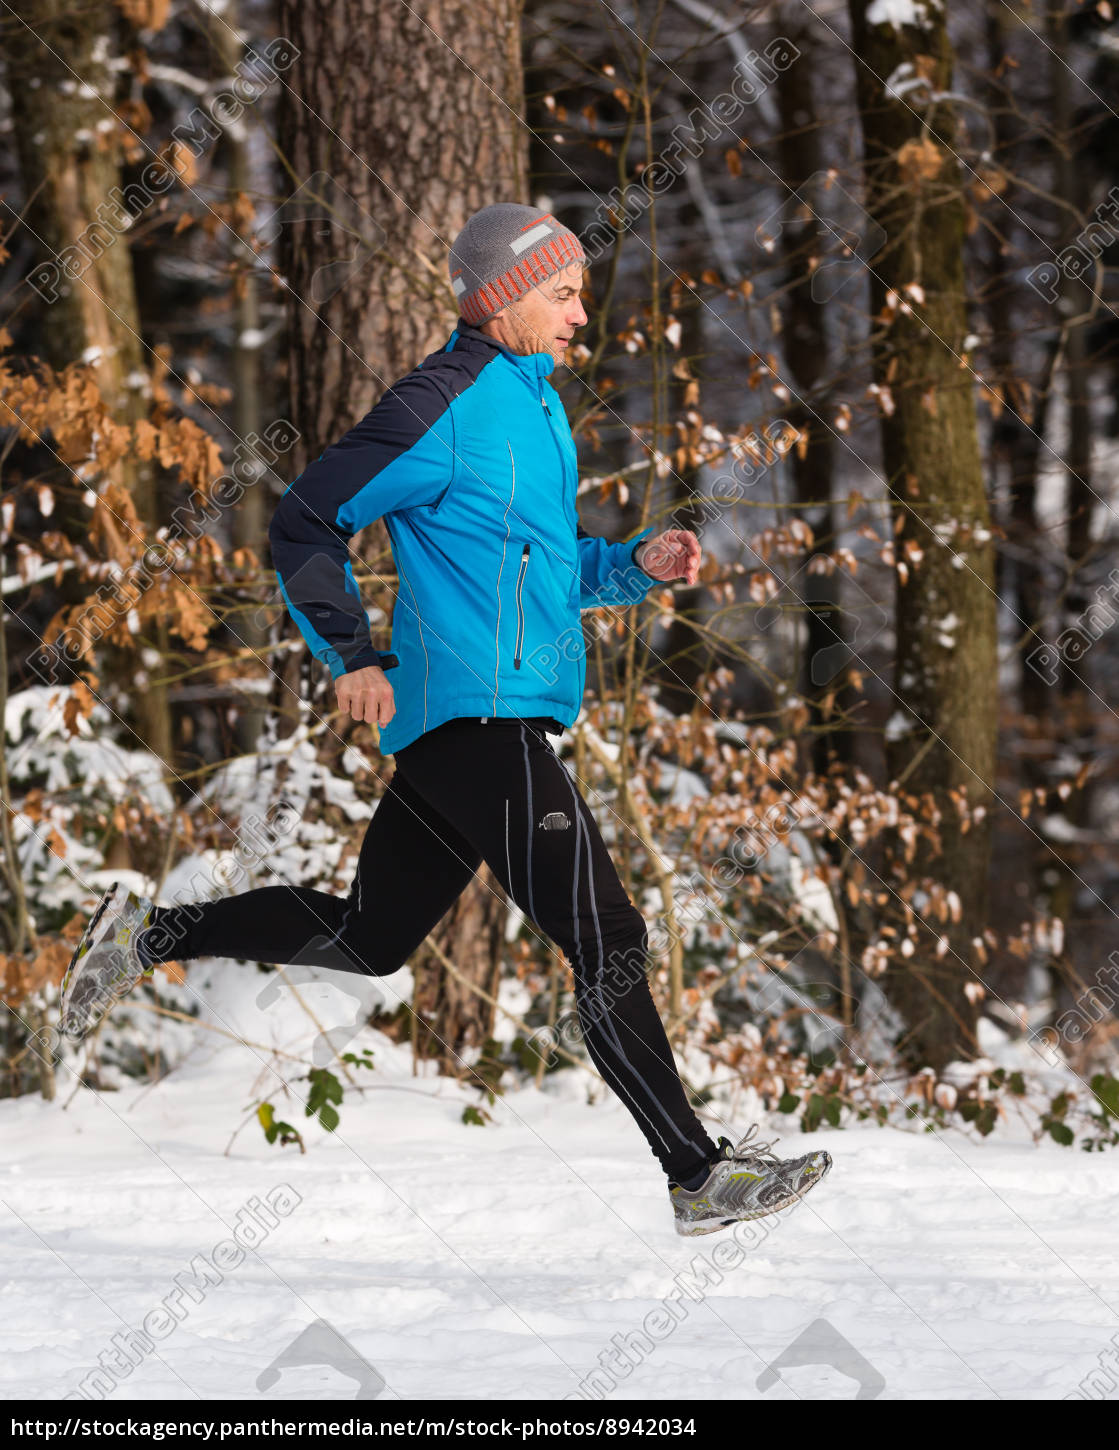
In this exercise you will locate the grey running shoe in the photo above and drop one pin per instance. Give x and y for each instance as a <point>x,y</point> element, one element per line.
<point>746,1181</point>
<point>105,966</point>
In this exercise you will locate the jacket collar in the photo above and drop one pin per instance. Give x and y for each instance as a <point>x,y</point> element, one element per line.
<point>535,366</point>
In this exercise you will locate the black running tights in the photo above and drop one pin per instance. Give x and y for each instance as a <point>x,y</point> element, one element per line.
<point>464,793</point>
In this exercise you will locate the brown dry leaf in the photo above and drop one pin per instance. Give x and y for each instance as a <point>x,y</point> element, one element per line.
<point>1021,394</point>
<point>189,618</point>
<point>989,179</point>
<point>213,394</point>
<point>135,115</point>
<point>919,160</point>
<point>146,14</point>
<point>24,975</point>
<point>79,703</point>
<point>180,161</point>
<point>993,397</point>
<point>733,160</point>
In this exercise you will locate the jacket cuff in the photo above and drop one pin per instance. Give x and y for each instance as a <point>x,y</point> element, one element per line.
<point>633,550</point>
<point>361,659</point>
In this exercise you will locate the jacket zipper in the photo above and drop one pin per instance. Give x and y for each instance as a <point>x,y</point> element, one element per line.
<point>555,440</point>
<point>520,608</point>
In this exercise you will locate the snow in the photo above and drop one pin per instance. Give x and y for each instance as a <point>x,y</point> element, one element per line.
<point>903,79</point>
<point>1059,828</point>
<point>942,1265</point>
<point>45,570</point>
<point>683,787</point>
<point>900,12</point>
<point>953,1269</point>
<point>813,898</point>
<point>897,725</point>
<point>946,631</point>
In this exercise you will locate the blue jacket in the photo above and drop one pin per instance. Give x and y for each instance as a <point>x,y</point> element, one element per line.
<point>469,460</point>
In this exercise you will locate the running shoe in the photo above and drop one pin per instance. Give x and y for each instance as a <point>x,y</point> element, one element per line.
<point>746,1181</point>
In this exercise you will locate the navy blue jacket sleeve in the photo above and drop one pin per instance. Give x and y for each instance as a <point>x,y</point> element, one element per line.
<point>400,456</point>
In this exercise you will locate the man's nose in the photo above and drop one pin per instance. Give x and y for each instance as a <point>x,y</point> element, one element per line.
<point>576,317</point>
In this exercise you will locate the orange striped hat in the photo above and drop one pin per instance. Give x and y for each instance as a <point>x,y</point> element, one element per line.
<point>504,251</point>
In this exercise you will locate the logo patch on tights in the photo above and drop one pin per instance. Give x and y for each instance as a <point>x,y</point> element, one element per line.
<point>555,821</point>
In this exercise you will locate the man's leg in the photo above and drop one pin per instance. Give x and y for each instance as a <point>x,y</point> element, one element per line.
<point>504,788</point>
<point>412,867</point>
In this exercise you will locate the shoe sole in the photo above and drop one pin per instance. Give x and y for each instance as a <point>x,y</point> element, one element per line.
<point>114,898</point>
<point>710,1226</point>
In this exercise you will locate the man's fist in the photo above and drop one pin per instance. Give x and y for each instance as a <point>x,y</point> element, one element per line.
<point>674,554</point>
<point>366,695</point>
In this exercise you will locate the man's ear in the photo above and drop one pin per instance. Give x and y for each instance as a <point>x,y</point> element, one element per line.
<point>493,316</point>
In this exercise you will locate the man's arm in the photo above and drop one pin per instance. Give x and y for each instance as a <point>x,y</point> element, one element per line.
<point>609,573</point>
<point>401,455</point>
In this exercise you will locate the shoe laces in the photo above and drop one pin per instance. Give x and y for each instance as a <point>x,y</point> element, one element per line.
<point>749,1147</point>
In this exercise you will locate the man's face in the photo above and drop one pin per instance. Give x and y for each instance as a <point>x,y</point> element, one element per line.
<point>545,319</point>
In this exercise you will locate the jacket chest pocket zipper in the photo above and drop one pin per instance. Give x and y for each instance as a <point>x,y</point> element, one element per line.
<point>521,572</point>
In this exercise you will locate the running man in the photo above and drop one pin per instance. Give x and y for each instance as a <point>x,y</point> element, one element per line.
<point>470,462</point>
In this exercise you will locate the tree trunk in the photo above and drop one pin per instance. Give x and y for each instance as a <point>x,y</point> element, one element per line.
<point>57,65</point>
<point>250,518</point>
<point>409,122</point>
<point>1018,429</point>
<point>946,671</point>
<point>1072,185</point>
<point>413,119</point>
<point>824,682</point>
<point>1064,859</point>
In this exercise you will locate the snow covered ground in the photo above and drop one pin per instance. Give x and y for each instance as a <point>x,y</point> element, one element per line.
<point>413,1256</point>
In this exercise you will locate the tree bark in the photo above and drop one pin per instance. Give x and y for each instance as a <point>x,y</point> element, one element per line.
<point>68,142</point>
<point>824,683</point>
<point>1018,430</point>
<point>408,123</point>
<point>946,670</point>
<point>250,518</point>
<point>1072,184</point>
<point>414,116</point>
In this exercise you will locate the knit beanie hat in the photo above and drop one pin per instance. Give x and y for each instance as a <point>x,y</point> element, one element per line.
<point>504,251</point>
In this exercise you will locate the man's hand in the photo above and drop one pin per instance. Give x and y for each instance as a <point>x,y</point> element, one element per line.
<point>674,554</point>
<point>366,695</point>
